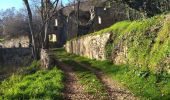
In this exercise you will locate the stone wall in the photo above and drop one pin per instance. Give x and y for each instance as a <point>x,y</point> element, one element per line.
<point>22,41</point>
<point>15,56</point>
<point>91,46</point>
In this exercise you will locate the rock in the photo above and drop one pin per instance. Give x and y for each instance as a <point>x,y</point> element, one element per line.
<point>45,59</point>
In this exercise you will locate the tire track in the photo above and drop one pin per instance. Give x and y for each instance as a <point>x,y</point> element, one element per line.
<point>115,90</point>
<point>73,90</point>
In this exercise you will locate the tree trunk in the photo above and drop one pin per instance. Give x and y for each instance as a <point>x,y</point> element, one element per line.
<point>44,56</point>
<point>78,10</point>
<point>46,13</point>
<point>34,51</point>
<point>46,39</point>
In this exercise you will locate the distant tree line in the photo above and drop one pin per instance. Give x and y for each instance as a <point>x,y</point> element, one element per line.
<point>15,22</point>
<point>150,7</point>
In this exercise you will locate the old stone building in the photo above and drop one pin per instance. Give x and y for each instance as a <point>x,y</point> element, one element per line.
<point>93,16</point>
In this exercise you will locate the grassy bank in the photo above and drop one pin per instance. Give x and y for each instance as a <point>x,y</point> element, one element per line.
<point>34,84</point>
<point>142,83</point>
<point>147,42</point>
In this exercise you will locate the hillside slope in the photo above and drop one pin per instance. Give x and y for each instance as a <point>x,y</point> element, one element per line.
<point>143,43</point>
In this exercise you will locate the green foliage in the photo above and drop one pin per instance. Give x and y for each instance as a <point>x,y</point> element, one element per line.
<point>141,81</point>
<point>108,49</point>
<point>150,7</point>
<point>147,41</point>
<point>1,39</point>
<point>34,67</point>
<point>42,84</point>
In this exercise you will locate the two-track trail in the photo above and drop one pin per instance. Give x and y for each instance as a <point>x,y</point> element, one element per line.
<point>74,90</point>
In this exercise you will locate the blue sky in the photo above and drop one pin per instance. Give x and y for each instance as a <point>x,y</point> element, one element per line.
<point>4,4</point>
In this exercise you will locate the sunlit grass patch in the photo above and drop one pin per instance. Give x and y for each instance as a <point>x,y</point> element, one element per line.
<point>43,84</point>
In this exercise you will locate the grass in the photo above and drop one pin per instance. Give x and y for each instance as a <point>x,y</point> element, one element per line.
<point>90,82</point>
<point>1,39</point>
<point>141,82</point>
<point>35,84</point>
<point>147,40</point>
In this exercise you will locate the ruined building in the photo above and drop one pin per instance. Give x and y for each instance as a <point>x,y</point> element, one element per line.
<point>93,16</point>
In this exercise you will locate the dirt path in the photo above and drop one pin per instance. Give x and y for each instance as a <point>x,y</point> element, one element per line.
<point>73,90</point>
<point>115,90</point>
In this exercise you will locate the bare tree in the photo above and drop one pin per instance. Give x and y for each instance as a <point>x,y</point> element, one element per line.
<point>47,11</point>
<point>78,10</point>
<point>1,27</point>
<point>13,23</point>
<point>34,51</point>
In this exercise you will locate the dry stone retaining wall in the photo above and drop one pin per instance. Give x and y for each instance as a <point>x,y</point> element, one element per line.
<point>22,41</point>
<point>91,46</point>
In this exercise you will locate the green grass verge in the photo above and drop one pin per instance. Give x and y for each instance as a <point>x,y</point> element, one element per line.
<point>141,82</point>
<point>90,82</point>
<point>36,84</point>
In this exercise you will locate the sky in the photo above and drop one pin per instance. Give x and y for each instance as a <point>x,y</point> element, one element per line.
<point>4,4</point>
